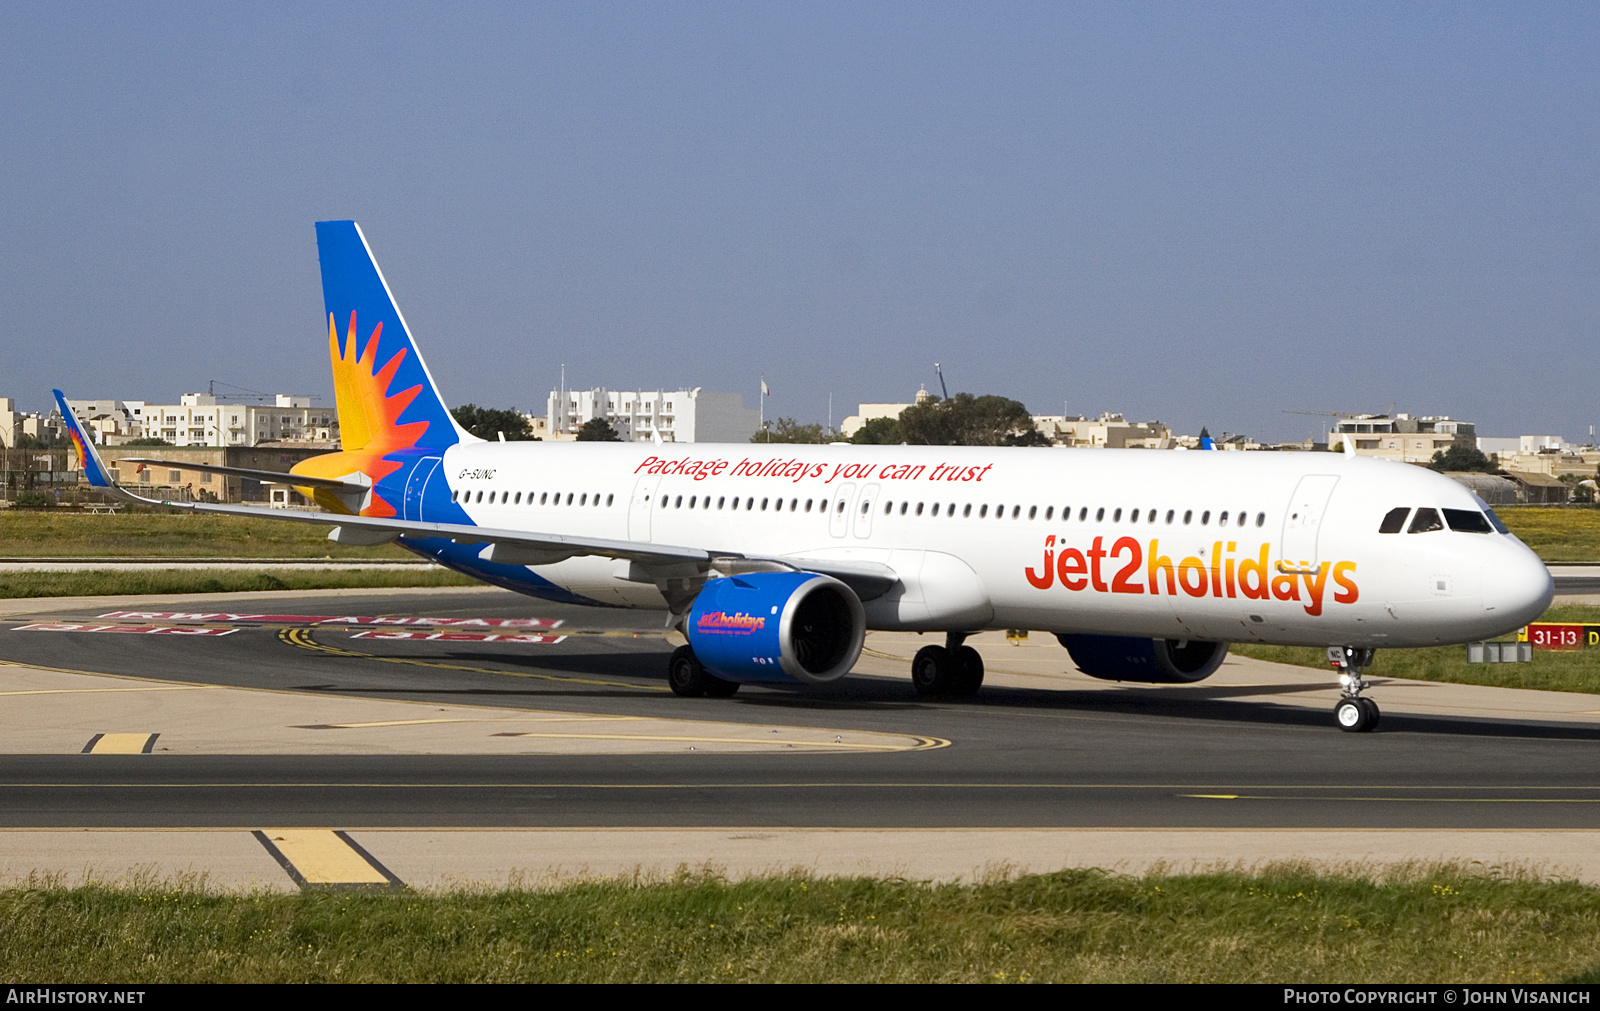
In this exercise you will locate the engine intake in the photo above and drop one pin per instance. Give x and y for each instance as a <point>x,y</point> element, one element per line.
<point>1150,661</point>
<point>777,627</point>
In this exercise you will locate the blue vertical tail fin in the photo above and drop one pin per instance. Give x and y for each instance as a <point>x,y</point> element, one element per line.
<point>387,399</point>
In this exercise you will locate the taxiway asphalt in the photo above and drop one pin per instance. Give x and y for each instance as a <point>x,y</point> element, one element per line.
<point>302,724</point>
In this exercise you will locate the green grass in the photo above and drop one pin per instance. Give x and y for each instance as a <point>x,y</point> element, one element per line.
<point>169,535</point>
<point>1564,671</point>
<point>1556,535</point>
<point>1283,925</point>
<point>94,583</point>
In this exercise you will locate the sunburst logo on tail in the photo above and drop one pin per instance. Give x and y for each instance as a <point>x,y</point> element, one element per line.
<point>369,414</point>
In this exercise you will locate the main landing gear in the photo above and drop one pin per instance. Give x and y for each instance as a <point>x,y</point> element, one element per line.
<point>1354,713</point>
<point>688,677</point>
<point>949,671</point>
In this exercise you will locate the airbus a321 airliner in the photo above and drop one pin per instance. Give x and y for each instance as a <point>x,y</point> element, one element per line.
<point>774,560</point>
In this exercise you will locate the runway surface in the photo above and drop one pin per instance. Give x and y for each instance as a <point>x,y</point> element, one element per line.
<point>455,722</point>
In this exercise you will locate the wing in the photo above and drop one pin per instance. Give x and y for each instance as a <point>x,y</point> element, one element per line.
<point>653,562</point>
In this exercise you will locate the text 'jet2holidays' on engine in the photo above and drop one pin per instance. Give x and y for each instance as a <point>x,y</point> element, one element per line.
<point>774,560</point>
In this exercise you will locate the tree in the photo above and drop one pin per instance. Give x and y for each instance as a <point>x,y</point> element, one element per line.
<point>879,432</point>
<point>1463,458</point>
<point>598,430</point>
<point>966,420</point>
<point>147,442</point>
<point>488,423</point>
<point>790,430</point>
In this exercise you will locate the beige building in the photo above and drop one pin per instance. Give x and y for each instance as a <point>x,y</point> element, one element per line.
<point>1402,437</point>
<point>870,412</point>
<point>1109,431</point>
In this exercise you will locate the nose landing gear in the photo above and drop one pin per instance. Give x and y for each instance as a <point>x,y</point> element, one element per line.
<point>1354,712</point>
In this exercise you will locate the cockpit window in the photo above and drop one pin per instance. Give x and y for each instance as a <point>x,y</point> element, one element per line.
<point>1468,521</point>
<point>1426,520</point>
<point>1394,520</point>
<point>1495,520</point>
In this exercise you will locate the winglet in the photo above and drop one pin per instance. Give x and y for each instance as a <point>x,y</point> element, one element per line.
<point>88,457</point>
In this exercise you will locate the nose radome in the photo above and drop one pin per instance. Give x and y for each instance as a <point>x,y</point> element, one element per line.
<point>1518,589</point>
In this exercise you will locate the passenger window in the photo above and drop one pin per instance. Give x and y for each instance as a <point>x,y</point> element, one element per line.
<point>1426,520</point>
<point>1205,517</point>
<point>1049,512</point>
<point>1116,517</point>
<point>1083,514</point>
<point>1100,514</point>
<point>1222,520</point>
<point>967,511</point>
<point>1188,514</point>
<point>1133,517</point>
<point>1394,520</point>
<point>1261,518</point>
<point>1469,521</point>
<point>983,511</point>
<point>1170,514</point>
<point>1033,511</point>
<point>919,508</point>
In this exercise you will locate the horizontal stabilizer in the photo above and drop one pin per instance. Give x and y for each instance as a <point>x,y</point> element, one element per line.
<point>264,476</point>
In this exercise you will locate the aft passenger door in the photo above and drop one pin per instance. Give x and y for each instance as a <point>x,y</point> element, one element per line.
<point>411,509</point>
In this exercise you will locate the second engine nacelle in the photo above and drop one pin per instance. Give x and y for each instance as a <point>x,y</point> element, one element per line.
<point>1151,661</point>
<point>777,627</point>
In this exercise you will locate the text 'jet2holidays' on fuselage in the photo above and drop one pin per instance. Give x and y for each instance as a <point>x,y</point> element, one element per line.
<point>774,560</point>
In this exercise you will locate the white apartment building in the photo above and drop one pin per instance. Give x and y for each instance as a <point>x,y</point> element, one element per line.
<point>199,420</point>
<point>638,415</point>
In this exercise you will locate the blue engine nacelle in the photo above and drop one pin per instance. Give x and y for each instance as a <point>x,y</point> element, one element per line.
<point>777,628</point>
<point>1151,661</point>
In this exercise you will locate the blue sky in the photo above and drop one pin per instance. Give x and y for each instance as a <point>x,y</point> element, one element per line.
<point>1207,214</point>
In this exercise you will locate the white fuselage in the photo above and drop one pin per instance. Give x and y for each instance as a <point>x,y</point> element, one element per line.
<point>1245,547</point>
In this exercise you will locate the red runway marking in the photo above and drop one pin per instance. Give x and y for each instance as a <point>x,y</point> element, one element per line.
<point>330,619</point>
<point>67,626</point>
